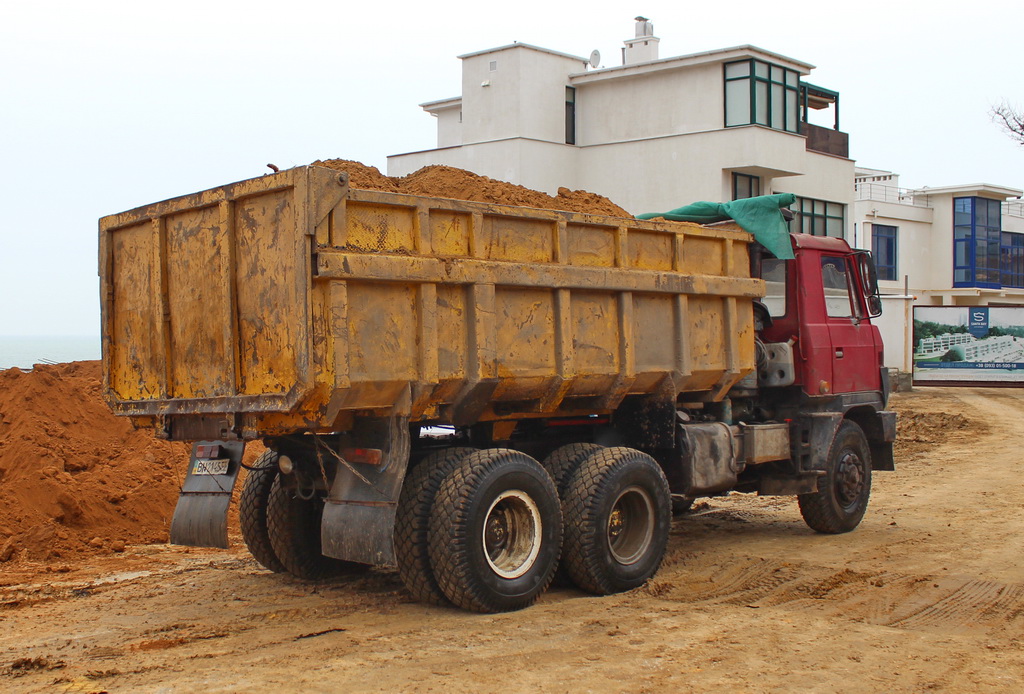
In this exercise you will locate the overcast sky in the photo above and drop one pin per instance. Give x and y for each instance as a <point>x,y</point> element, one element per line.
<point>106,106</point>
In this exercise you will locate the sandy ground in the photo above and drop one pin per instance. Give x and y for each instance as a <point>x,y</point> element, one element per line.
<point>928,594</point>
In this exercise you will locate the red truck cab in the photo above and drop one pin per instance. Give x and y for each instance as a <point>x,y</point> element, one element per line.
<point>822,303</point>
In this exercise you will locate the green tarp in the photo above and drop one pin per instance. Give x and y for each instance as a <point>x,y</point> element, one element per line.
<point>761,216</point>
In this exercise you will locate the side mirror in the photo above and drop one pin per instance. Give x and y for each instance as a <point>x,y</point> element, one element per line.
<point>874,305</point>
<point>868,274</point>
<point>869,283</point>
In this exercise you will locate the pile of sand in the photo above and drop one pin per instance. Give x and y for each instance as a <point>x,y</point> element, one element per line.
<point>921,431</point>
<point>448,182</point>
<point>75,479</point>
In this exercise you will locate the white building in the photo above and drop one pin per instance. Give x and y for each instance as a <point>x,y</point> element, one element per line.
<point>949,246</point>
<point>656,133</point>
<point>652,134</point>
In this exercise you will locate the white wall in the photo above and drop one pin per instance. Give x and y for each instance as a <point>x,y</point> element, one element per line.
<point>524,96</point>
<point>659,174</point>
<point>896,326</point>
<point>449,126</point>
<point>542,94</point>
<point>650,105</point>
<point>915,229</point>
<point>490,112</point>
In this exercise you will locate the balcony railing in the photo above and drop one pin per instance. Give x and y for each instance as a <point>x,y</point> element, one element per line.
<point>1013,209</point>
<point>826,140</point>
<point>897,196</point>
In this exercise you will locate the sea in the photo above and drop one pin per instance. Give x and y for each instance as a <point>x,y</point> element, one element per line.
<point>24,351</point>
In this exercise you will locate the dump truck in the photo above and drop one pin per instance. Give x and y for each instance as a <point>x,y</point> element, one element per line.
<point>484,395</point>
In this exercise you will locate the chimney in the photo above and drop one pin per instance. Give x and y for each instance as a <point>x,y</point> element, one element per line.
<point>644,46</point>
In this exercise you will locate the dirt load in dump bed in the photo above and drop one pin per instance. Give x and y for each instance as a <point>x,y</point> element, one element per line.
<point>459,184</point>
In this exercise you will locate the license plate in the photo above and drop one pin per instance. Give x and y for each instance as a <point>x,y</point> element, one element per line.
<point>208,466</point>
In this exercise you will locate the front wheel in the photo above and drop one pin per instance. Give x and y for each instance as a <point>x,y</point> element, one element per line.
<point>495,531</point>
<point>843,491</point>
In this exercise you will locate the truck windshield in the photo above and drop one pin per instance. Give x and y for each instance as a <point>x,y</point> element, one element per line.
<point>773,272</point>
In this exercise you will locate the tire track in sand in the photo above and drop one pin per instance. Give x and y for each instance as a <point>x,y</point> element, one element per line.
<point>918,603</point>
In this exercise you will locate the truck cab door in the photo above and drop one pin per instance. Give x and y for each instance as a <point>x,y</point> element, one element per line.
<point>853,351</point>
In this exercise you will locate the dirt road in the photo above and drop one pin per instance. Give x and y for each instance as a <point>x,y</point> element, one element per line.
<point>928,594</point>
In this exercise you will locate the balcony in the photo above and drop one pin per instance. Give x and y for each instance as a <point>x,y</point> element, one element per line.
<point>826,140</point>
<point>897,196</point>
<point>821,139</point>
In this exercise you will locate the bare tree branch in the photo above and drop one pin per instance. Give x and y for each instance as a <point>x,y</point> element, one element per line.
<point>1010,120</point>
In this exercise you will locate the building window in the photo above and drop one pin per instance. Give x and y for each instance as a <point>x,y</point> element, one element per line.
<point>745,186</point>
<point>1012,259</point>
<point>761,93</point>
<point>570,115</point>
<point>818,217</point>
<point>977,242</point>
<point>883,248</point>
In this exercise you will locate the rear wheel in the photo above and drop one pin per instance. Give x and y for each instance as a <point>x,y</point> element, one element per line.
<point>495,531</point>
<point>843,491</point>
<point>294,525</point>
<point>562,462</point>
<point>252,511</point>
<point>412,523</point>
<point>618,512</point>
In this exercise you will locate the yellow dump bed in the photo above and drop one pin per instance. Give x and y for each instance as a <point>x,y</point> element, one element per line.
<point>289,302</point>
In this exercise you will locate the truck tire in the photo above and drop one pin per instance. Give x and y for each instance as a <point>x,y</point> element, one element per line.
<point>843,491</point>
<point>294,526</point>
<point>618,512</point>
<point>562,462</point>
<point>252,511</point>
<point>495,531</point>
<point>412,523</point>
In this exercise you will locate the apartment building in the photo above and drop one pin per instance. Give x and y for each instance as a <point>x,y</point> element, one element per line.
<point>960,245</point>
<point>652,133</point>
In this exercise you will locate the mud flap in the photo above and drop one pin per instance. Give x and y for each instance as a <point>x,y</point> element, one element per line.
<point>358,521</point>
<point>201,516</point>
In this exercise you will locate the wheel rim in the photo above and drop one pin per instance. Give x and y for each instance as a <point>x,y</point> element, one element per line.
<point>512,534</point>
<point>631,525</point>
<point>849,479</point>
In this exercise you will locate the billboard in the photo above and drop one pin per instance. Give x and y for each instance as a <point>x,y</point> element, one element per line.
<point>969,345</point>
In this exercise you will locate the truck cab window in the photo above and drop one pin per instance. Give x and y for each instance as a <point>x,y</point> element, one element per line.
<point>836,282</point>
<point>773,272</point>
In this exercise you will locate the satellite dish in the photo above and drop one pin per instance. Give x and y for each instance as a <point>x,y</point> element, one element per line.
<point>595,58</point>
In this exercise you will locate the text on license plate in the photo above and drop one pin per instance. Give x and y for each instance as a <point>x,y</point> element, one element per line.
<point>210,466</point>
